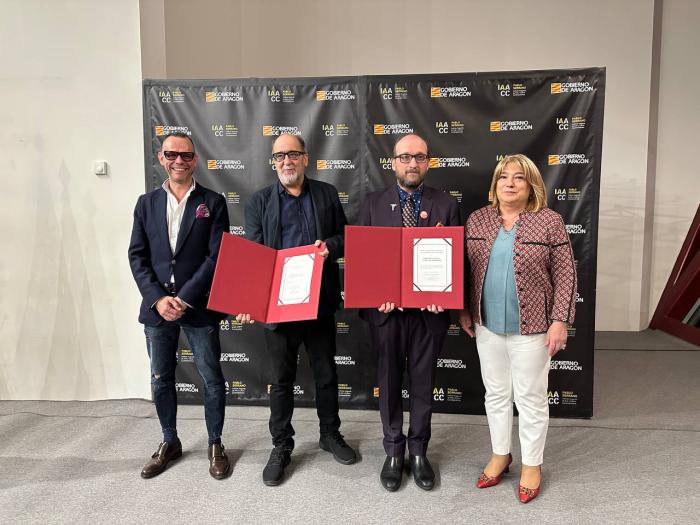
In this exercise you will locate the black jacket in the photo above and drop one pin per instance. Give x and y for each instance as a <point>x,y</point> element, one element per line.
<point>262,225</point>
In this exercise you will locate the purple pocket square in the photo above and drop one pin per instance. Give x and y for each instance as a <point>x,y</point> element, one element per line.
<point>202,212</point>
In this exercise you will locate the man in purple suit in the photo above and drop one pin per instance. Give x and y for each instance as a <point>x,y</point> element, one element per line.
<point>407,338</point>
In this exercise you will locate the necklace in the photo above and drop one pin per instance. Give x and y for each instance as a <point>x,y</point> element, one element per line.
<point>510,220</point>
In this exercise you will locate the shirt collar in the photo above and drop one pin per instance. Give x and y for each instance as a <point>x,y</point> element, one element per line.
<point>281,190</point>
<point>417,193</point>
<point>166,187</point>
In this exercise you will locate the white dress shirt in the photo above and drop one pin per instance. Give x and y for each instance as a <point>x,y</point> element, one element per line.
<point>174,212</point>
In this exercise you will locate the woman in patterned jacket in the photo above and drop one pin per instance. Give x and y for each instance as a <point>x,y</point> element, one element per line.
<point>522,297</point>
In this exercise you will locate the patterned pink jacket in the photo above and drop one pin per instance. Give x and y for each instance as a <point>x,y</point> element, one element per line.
<point>545,272</point>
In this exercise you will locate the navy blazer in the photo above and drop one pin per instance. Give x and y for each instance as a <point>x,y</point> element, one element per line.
<point>193,262</point>
<point>382,208</point>
<point>262,225</point>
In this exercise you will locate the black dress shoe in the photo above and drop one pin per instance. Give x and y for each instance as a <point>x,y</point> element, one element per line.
<point>335,444</point>
<point>166,453</point>
<point>423,473</point>
<point>219,466</point>
<point>392,472</point>
<point>273,473</point>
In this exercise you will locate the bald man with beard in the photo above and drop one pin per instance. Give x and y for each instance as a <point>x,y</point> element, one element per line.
<point>297,211</point>
<point>408,338</point>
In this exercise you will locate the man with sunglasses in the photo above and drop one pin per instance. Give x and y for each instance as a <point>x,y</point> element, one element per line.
<point>407,338</point>
<point>298,211</point>
<point>174,245</point>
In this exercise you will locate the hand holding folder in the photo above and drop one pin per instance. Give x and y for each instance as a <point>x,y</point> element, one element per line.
<point>409,267</point>
<point>272,286</point>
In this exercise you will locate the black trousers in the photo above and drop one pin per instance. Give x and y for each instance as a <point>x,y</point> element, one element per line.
<point>318,337</point>
<point>405,343</point>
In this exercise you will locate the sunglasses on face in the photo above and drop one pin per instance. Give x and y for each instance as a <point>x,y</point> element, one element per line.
<point>187,156</point>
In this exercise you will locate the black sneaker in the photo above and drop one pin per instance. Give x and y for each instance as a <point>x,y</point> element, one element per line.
<point>335,444</point>
<point>273,472</point>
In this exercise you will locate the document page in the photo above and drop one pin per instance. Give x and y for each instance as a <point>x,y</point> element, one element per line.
<point>295,287</point>
<point>432,265</point>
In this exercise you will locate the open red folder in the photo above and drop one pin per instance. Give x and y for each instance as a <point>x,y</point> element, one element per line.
<point>412,267</point>
<point>273,286</point>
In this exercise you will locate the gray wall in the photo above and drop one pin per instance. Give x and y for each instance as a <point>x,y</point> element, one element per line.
<point>71,90</point>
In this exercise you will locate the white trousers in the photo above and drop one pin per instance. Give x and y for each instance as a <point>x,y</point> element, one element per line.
<point>515,368</point>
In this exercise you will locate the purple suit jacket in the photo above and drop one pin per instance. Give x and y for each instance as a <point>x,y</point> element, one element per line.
<point>382,208</point>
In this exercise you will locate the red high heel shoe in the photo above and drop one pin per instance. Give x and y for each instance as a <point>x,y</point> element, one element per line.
<point>485,480</point>
<point>525,494</point>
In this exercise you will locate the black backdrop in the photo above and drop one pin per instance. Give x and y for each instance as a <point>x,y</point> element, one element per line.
<point>350,124</point>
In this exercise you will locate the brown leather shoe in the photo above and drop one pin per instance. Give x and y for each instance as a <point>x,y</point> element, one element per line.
<point>166,453</point>
<point>219,466</point>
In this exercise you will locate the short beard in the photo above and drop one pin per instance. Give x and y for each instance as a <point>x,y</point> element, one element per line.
<point>410,184</point>
<point>290,180</point>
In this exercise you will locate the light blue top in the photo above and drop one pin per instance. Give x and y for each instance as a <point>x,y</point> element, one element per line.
<point>499,300</point>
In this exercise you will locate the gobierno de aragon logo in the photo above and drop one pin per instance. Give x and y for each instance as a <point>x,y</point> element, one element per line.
<point>556,88</point>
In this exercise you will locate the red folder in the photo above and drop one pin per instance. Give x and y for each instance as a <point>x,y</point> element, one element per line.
<point>379,266</point>
<point>248,278</point>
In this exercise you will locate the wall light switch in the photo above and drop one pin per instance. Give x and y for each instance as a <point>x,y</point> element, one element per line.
<point>100,167</point>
